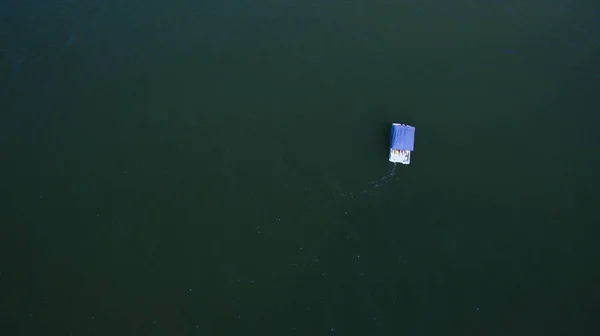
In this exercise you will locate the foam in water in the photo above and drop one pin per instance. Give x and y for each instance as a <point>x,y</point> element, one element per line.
<point>373,185</point>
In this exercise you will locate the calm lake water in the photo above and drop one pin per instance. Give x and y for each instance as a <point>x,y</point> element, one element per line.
<point>220,167</point>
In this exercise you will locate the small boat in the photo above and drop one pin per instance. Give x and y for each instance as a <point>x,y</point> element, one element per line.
<point>402,142</point>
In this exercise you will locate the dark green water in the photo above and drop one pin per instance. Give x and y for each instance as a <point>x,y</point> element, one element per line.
<point>196,168</point>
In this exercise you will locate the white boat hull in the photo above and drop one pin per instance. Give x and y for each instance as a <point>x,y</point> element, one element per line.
<point>399,156</point>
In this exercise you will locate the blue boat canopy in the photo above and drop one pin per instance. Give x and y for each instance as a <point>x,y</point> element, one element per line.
<point>403,137</point>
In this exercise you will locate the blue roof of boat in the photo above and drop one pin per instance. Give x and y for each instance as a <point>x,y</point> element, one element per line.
<point>403,137</point>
